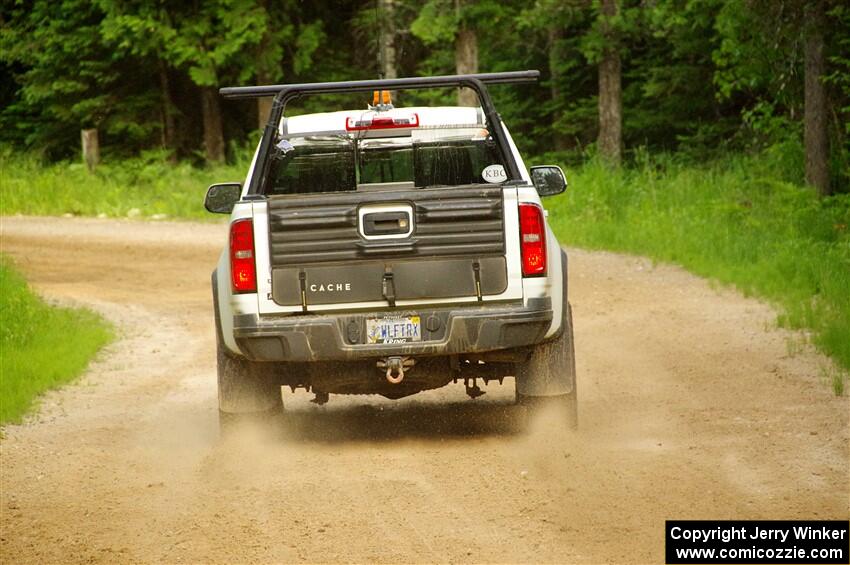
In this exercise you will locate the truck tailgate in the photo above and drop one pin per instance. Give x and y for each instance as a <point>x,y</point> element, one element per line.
<point>321,254</point>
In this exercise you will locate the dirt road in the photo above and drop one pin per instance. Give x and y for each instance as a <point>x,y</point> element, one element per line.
<point>691,407</point>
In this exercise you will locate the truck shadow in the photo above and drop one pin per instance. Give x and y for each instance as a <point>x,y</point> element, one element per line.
<point>407,421</point>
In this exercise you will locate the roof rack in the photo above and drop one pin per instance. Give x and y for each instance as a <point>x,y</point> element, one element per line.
<point>512,77</point>
<point>283,93</point>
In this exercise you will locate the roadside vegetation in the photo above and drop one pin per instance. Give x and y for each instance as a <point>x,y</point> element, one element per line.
<point>741,221</point>
<point>41,346</point>
<point>147,186</point>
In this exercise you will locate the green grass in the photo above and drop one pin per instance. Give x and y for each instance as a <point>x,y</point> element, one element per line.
<point>741,221</point>
<point>147,186</point>
<point>41,347</point>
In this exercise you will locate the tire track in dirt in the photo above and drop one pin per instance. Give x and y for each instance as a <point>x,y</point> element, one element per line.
<point>690,407</point>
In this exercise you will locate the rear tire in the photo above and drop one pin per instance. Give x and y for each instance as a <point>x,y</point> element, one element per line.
<point>247,390</point>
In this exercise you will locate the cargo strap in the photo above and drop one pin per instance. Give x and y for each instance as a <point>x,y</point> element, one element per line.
<point>302,280</point>
<point>388,287</point>
<point>476,269</point>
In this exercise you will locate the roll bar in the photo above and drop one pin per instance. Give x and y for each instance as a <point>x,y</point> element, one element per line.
<point>284,93</point>
<point>512,77</point>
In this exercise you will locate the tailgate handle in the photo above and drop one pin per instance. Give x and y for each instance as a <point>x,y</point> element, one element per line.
<point>386,223</point>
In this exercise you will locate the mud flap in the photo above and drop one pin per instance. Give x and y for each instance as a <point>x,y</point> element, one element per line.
<point>247,387</point>
<point>551,368</point>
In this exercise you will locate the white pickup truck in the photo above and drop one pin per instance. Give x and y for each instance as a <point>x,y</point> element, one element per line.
<point>389,251</point>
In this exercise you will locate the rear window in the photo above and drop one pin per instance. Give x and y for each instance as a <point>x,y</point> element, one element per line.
<point>427,157</point>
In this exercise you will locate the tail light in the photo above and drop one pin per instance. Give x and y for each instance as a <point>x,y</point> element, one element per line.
<point>532,231</point>
<point>243,271</point>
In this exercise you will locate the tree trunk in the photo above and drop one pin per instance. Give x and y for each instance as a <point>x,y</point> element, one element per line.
<point>816,137</point>
<point>466,62</point>
<point>91,148</point>
<point>264,105</point>
<point>264,73</point>
<point>264,110</point>
<point>167,111</point>
<point>386,46</point>
<point>388,53</point>
<point>556,33</point>
<point>610,91</point>
<point>213,131</point>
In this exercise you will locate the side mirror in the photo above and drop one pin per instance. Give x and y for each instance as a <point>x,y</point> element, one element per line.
<point>222,197</point>
<point>549,180</point>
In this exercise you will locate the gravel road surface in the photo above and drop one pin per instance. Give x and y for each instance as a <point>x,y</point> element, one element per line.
<point>692,406</point>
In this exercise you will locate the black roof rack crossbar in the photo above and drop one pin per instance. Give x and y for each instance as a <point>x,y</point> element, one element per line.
<point>512,77</point>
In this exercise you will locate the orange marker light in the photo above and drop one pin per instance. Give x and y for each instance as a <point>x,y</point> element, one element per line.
<point>382,97</point>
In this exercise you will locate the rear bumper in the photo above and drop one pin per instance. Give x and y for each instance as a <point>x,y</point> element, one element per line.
<point>339,337</point>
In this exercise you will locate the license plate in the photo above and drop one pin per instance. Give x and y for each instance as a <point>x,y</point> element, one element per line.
<point>396,329</point>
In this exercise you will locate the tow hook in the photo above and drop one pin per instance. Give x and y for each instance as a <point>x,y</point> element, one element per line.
<point>395,367</point>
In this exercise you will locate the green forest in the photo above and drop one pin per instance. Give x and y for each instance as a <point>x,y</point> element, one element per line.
<point>710,133</point>
<point>621,77</point>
